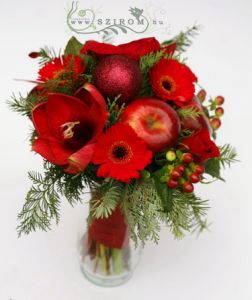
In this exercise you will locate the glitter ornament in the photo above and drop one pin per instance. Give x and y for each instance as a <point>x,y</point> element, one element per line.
<point>118,75</point>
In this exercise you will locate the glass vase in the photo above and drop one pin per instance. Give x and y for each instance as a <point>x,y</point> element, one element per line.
<point>107,255</point>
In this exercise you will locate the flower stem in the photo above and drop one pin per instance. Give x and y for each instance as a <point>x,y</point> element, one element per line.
<point>103,259</point>
<point>117,260</point>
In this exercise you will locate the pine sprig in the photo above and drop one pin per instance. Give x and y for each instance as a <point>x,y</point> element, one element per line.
<point>24,105</point>
<point>47,54</point>
<point>228,155</point>
<point>146,63</point>
<point>41,205</point>
<point>187,212</point>
<point>105,198</point>
<point>149,60</point>
<point>189,112</point>
<point>141,205</point>
<point>42,201</point>
<point>114,110</point>
<point>184,39</point>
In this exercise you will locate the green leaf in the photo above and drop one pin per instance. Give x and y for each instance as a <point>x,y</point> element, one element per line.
<point>212,167</point>
<point>226,158</point>
<point>73,47</point>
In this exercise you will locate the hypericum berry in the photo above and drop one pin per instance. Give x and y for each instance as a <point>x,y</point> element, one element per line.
<point>194,178</point>
<point>145,174</point>
<point>170,155</point>
<point>219,112</point>
<point>181,169</point>
<point>201,95</point>
<point>173,184</point>
<point>188,187</point>
<point>34,54</point>
<point>187,158</point>
<point>175,174</point>
<point>215,123</point>
<point>199,169</point>
<point>219,100</point>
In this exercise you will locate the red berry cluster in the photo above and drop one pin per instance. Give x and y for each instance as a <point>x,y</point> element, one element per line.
<point>219,111</point>
<point>215,105</point>
<point>183,172</point>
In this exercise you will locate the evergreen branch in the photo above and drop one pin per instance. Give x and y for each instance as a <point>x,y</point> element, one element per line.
<point>47,54</point>
<point>141,205</point>
<point>23,105</point>
<point>105,198</point>
<point>41,205</point>
<point>114,111</point>
<point>146,63</point>
<point>189,112</point>
<point>184,39</point>
<point>149,60</point>
<point>42,200</point>
<point>226,158</point>
<point>186,213</point>
<point>228,155</point>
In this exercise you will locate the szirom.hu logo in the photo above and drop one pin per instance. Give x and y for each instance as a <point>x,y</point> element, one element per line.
<point>85,21</point>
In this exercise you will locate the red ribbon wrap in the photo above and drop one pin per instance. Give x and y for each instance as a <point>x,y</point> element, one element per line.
<point>111,232</point>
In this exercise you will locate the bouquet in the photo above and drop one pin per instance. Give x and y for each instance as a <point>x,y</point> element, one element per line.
<point>131,123</point>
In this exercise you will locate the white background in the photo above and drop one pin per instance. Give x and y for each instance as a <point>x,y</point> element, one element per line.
<point>215,266</point>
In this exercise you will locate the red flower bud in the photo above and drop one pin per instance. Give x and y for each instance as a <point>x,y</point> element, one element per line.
<point>34,54</point>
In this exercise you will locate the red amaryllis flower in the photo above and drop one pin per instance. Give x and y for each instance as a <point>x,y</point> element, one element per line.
<point>68,127</point>
<point>59,66</point>
<point>134,49</point>
<point>201,146</point>
<point>171,80</point>
<point>121,153</point>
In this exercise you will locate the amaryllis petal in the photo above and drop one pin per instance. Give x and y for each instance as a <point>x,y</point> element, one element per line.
<point>80,159</point>
<point>62,109</point>
<point>40,120</point>
<point>52,151</point>
<point>97,105</point>
<point>134,49</point>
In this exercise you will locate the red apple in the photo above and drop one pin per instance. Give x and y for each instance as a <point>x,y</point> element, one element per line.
<point>197,123</point>
<point>155,121</point>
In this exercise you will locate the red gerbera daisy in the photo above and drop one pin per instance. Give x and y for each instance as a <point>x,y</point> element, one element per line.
<point>172,80</point>
<point>59,66</point>
<point>121,153</point>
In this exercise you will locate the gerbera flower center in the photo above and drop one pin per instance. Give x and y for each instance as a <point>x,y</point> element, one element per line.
<point>120,153</point>
<point>168,84</point>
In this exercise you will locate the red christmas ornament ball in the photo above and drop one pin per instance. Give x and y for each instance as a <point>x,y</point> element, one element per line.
<point>118,75</point>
